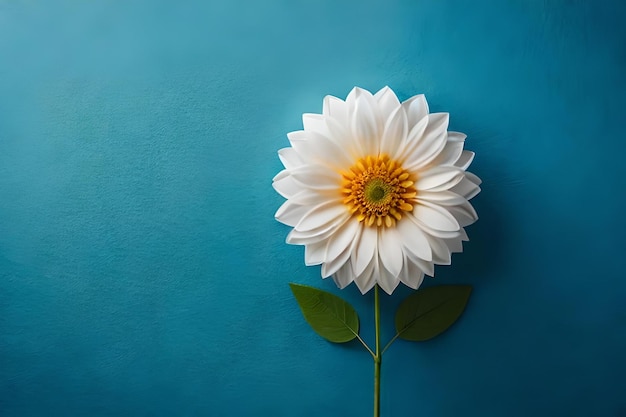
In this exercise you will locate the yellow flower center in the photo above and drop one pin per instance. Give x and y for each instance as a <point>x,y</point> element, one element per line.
<point>378,191</point>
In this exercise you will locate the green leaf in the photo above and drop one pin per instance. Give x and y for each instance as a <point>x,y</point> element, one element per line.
<point>430,311</point>
<point>330,316</point>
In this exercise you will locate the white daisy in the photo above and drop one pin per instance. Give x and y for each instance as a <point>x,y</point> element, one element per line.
<point>377,190</point>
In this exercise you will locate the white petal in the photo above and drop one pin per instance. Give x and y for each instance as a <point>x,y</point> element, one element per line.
<point>304,237</point>
<point>365,122</point>
<point>437,233</point>
<point>473,178</point>
<point>317,177</point>
<point>341,242</point>
<point>394,133</point>
<point>332,265</point>
<point>413,238</point>
<point>411,275</point>
<point>390,250</point>
<point>330,137</point>
<point>284,184</point>
<point>412,140</point>
<point>313,122</point>
<point>366,280</point>
<point>289,157</point>
<point>351,98</point>
<point>436,217</point>
<point>341,135</point>
<point>430,144</point>
<point>314,253</point>
<point>314,147</point>
<point>344,276</point>
<point>281,175</point>
<point>425,266</point>
<point>466,188</point>
<point>308,197</point>
<point>387,280</point>
<point>465,160</point>
<point>439,178</point>
<point>456,136</point>
<point>329,212</point>
<point>388,102</point>
<point>464,214</point>
<point>441,253</point>
<point>290,214</point>
<point>454,245</point>
<point>434,232</point>
<point>365,250</point>
<point>416,108</point>
<point>336,108</point>
<point>443,198</point>
<point>449,154</point>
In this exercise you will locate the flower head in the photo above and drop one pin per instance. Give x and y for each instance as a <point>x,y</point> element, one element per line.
<point>377,190</point>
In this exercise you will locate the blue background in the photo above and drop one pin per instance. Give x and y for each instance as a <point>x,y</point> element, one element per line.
<point>142,272</point>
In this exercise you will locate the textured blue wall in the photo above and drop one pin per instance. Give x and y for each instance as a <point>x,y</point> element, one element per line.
<point>142,272</point>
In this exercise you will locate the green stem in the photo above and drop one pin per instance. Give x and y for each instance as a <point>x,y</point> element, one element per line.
<point>378,355</point>
<point>389,344</point>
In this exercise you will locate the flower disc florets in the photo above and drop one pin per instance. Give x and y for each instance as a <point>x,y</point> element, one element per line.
<point>378,190</point>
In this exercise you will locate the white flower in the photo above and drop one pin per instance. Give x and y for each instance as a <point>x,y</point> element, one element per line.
<point>377,190</point>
